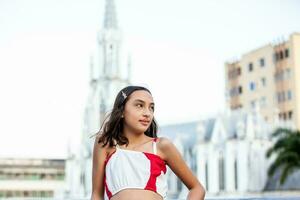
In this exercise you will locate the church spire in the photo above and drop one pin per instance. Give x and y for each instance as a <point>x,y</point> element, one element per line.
<point>110,18</point>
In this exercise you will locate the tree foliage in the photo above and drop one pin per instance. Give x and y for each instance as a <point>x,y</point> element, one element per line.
<point>287,151</point>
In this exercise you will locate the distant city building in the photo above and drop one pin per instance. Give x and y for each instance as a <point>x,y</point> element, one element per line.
<point>269,78</point>
<point>107,77</point>
<point>32,177</point>
<point>227,153</point>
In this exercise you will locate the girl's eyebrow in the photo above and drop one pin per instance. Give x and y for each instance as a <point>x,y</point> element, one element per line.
<point>139,100</point>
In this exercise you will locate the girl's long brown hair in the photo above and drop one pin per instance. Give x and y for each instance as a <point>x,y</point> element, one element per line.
<point>112,126</point>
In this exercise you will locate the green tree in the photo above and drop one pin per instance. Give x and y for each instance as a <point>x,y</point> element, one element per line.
<point>287,150</point>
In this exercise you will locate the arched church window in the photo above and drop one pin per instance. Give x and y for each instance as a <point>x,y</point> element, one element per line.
<point>221,173</point>
<point>235,175</point>
<point>206,176</point>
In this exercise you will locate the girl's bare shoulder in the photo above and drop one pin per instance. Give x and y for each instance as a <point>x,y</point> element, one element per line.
<point>163,142</point>
<point>163,146</point>
<point>103,148</point>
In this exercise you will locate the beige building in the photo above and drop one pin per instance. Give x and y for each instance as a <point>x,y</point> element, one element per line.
<point>31,177</point>
<point>267,79</point>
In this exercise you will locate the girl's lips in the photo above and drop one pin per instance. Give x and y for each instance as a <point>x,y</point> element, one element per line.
<point>145,123</point>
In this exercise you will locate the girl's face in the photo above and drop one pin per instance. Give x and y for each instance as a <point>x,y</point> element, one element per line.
<point>138,111</point>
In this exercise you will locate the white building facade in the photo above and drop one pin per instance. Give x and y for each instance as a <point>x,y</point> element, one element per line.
<point>226,153</point>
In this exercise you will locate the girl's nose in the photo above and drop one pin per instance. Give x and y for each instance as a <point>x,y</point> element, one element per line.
<point>147,112</point>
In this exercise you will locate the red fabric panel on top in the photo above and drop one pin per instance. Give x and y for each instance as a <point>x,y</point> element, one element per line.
<point>109,195</point>
<point>108,192</point>
<point>156,166</point>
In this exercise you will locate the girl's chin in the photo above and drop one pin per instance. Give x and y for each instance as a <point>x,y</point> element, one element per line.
<point>141,129</point>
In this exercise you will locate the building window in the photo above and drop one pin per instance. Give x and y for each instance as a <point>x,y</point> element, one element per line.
<point>283,75</point>
<point>263,81</point>
<point>277,76</point>
<point>288,73</point>
<point>262,62</point>
<point>284,116</point>
<point>26,194</point>
<point>281,96</point>
<point>263,101</point>
<point>235,91</point>
<point>281,55</point>
<point>286,53</point>
<point>250,67</point>
<point>278,97</point>
<point>252,86</point>
<point>290,114</point>
<point>234,73</point>
<point>239,72</point>
<point>9,194</point>
<point>289,94</point>
<point>240,89</point>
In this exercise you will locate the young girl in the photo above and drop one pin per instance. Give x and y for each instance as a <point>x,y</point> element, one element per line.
<point>129,160</point>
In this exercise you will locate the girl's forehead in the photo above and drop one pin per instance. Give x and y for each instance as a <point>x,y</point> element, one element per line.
<point>141,95</point>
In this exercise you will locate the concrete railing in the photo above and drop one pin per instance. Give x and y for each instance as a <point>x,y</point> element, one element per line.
<point>220,198</point>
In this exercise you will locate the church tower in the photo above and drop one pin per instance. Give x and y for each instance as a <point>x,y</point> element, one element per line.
<point>107,77</point>
<point>113,77</point>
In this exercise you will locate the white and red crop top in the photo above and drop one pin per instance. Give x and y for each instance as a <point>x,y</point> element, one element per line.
<point>128,169</point>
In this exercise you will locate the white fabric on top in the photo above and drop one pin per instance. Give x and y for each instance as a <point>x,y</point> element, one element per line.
<point>127,169</point>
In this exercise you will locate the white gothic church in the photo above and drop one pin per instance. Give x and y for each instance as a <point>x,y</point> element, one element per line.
<point>107,77</point>
<point>227,153</point>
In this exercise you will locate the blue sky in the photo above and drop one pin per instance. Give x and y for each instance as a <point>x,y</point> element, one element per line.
<point>178,49</point>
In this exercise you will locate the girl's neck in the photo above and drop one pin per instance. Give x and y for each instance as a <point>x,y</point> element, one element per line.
<point>134,138</point>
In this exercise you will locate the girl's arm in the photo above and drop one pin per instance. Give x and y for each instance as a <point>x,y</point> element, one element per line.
<point>175,161</point>
<point>99,156</point>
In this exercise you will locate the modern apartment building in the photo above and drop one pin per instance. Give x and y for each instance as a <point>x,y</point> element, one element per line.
<point>268,79</point>
<point>31,177</point>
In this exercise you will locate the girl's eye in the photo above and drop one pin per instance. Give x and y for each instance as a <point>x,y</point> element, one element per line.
<point>141,106</point>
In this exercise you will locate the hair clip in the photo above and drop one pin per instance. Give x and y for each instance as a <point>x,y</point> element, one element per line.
<point>124,95</point>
